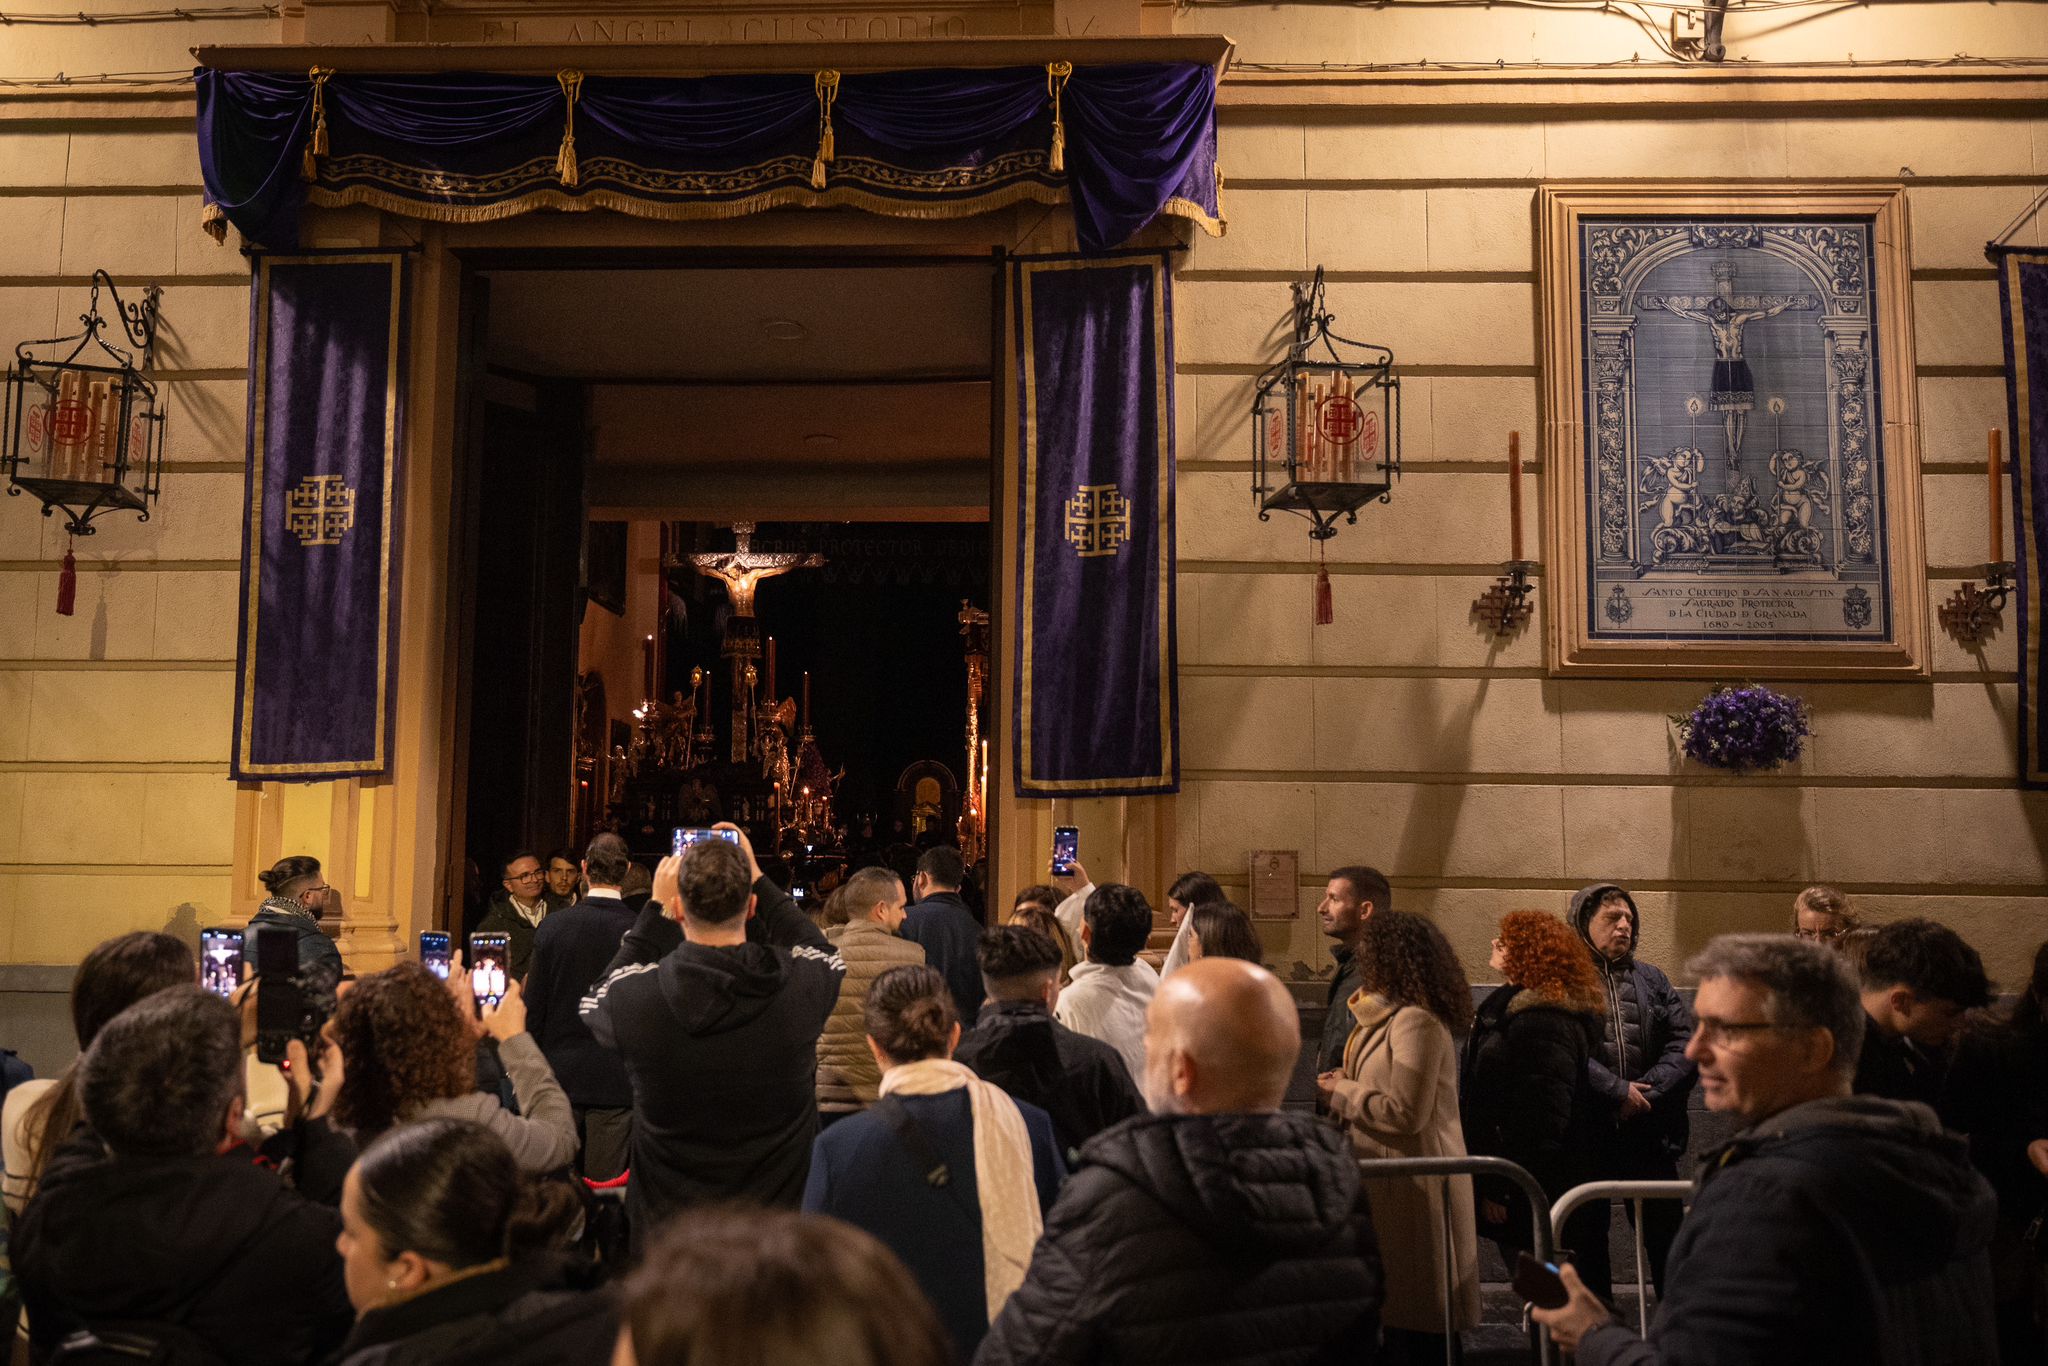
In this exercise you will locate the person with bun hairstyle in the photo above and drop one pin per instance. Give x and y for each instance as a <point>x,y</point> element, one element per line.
<point>733,1286</point>
<point>1523,1087</point>
<point>946,1169</point>
<point>298,896</point>
<point>40,1115</point>
<point>447,1254</point>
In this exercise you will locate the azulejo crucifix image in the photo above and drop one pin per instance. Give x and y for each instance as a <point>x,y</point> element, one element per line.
<point>1733,482</point>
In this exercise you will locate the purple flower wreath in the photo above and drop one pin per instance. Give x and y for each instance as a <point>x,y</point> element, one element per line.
<point>1745,729</point>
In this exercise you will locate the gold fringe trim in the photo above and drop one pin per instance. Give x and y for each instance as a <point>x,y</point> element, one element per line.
<point>213,221</point>
<point>633,206</point>
<point>827,85</point>
<point>1057,74</point>
<point>565,160</point>
<point>316,146</point>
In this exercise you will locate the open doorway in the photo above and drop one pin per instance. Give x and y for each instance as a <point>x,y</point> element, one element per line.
<point>672,465</point>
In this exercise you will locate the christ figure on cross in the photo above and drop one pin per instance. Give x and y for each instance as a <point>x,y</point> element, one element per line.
<point>1733,391</point>
<point>742,569</point>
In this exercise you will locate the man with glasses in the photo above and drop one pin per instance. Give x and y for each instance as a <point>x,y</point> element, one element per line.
<point>1918,979</point>
<point>1833,1228</point>
<point>516,912</point>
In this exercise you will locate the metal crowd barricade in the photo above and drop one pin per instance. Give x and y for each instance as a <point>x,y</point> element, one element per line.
<point>1635,1192</point>
<point>1391,1168</point>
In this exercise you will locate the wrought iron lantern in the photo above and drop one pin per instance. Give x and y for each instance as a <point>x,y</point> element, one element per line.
<point>83,435</point>
<point>1326,428</point>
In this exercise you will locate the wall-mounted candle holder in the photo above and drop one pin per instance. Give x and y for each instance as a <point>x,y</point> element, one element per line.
<point>1505,607</point>
<point>1972,615</point>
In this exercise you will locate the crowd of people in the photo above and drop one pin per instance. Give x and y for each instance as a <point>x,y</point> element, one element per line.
<point>895,1136</point>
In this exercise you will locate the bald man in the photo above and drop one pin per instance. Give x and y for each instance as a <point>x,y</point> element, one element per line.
<point>1215,1230</point>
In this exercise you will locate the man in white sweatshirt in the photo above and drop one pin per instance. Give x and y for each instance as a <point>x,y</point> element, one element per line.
<point>1110,991</point>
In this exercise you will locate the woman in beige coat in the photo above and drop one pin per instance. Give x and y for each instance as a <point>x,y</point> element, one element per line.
<point>1397,1094</point>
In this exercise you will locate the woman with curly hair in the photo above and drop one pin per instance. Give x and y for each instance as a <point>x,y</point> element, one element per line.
<point>408,1052</point>
<point>1524,1088</point>
<point>1397,1094</point>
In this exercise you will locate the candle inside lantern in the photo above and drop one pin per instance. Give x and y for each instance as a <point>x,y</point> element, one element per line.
<point>1514,495</point>
<point>647,667</point>
<point>1997,499</point>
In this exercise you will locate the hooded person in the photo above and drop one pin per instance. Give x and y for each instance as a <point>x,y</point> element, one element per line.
<point>1217,1230</point>
<point>1832,1229</point>
<point>718,1023</point>
<point>1638,1066</point>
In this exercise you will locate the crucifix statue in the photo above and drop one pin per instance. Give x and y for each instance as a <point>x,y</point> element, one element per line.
<point>742,569</point>
<point>1725,314</point>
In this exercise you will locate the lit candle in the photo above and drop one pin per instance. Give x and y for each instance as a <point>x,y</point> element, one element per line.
<point>771,670</point>
<point>1997,500</point>
<point>1515,495</point>
<point>647,666</point>
<point>807,704</point>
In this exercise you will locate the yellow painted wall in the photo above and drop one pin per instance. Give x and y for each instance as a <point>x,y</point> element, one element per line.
<point>1398,735</point>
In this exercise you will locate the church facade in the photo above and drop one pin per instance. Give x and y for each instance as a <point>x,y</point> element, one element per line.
<point>1403,150</point>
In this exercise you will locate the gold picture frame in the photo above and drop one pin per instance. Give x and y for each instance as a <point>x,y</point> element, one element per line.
<point>1732,462</point>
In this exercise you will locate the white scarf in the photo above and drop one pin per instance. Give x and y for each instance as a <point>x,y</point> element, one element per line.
<point>1004,1175</point>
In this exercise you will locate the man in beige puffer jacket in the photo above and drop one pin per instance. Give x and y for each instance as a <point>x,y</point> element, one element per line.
<point>869,944</point>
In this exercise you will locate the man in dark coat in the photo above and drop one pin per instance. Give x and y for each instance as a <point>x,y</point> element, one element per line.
<point>1081,1082</point>
<point>1639,1067</point>
<point>1834,1228</point>
<point>153,1216</point>
<point>298,898</point>
<point>1218,1229</point>
<point>1349,899</point>
<point>523,901</point>
<point>717,1022</point>
<point>941,921</point>
<point>1918,980</point>
<point>570,951</point>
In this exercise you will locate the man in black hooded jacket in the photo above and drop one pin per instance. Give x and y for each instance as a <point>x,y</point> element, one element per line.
<point>1835,1229</point>
<point>718,1023</point>
<point>152,1216</point>
<point>1638,1065</point>
<point>1217,1230</point>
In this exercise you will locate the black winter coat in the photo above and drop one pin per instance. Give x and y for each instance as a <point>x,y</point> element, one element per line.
<point>217,1245</point>
<point>1081,1082</point>
<point>1200,1240</point>
<point>498,1315</point>
<point>570,952</point>
<point>1836,1232</point>
<point>1642,1039</point>
<point>951,938</point>
<point>721,1048</point>
<point>1524,1093</point>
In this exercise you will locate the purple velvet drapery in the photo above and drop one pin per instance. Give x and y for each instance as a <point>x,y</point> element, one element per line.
<point>2023,299</point>
<point>1097,711</point>
<point>316,663</point>
<point>1140,140</point>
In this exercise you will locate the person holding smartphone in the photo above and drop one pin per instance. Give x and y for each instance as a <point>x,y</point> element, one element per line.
<point>408,1051</point>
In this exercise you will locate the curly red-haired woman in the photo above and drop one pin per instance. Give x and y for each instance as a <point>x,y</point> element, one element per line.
<point>1523,1088</point>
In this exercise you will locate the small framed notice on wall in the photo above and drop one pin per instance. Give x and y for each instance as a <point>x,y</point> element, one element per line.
<point>1275,873</point>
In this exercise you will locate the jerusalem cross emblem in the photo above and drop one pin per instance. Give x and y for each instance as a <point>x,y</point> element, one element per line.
<point>319,509</point>
<point>1098,520</point>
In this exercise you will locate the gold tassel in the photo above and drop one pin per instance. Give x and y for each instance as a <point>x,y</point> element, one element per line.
<point>827,86</point>
<point>316,146</point>
<point>1056,77</point>
<point>213,221</point>
<point>565,160</point>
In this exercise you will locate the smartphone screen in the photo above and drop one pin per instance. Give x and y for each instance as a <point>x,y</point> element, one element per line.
<point>687,835</point>
<point>220,961</point>
<point>1066,848</point>
<point>434,954</point>
<point>487,967</point>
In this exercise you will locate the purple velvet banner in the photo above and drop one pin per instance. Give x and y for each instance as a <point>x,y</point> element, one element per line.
<point>1097,711</point>
<point>2023,307</point>
<point>319,628</point>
